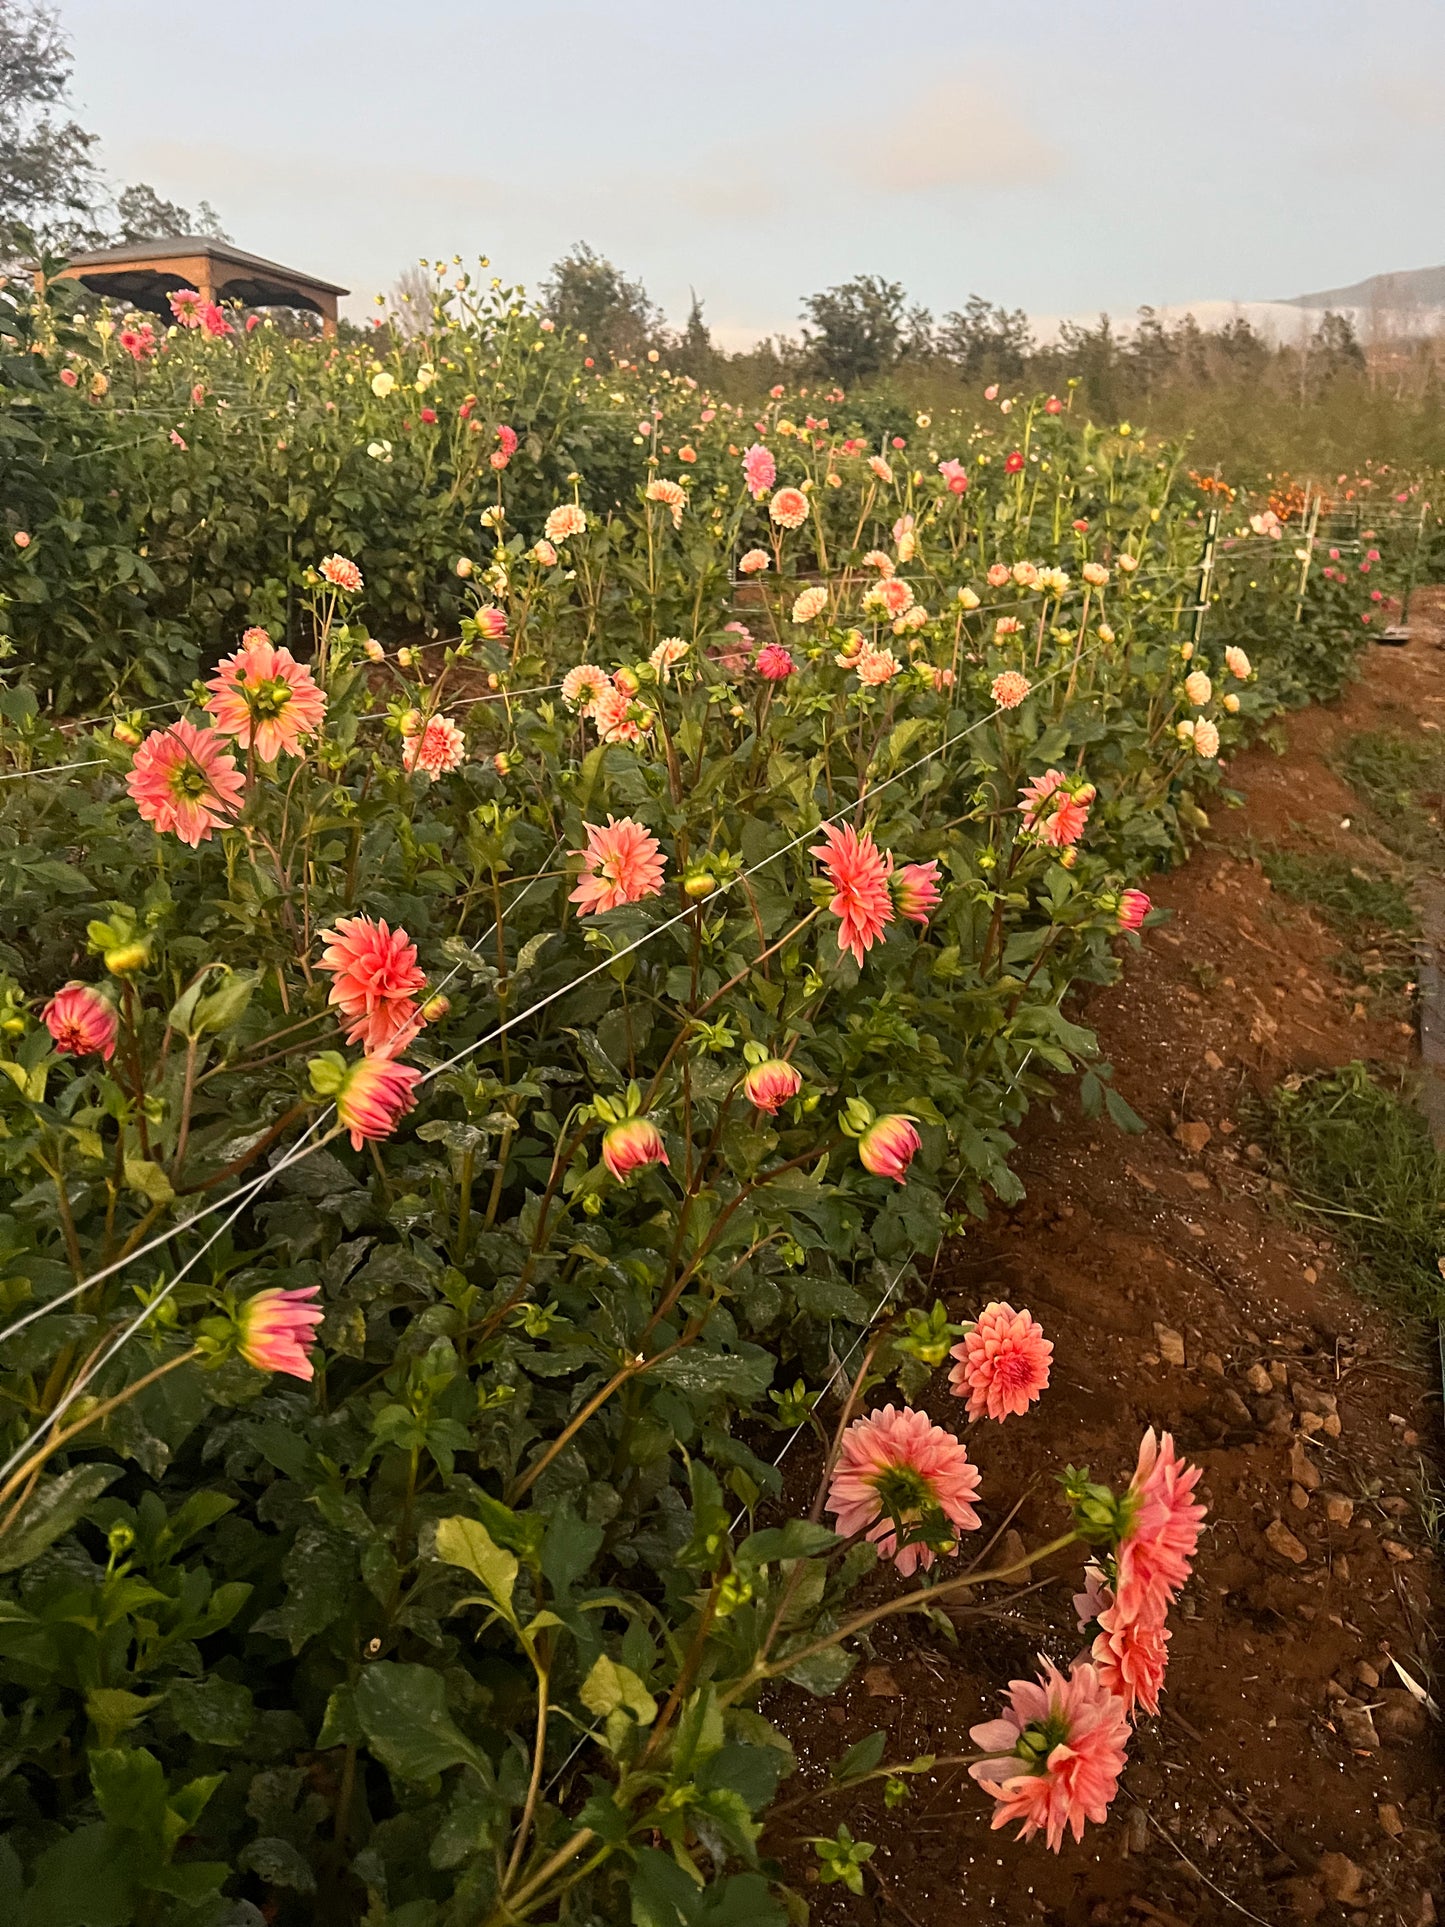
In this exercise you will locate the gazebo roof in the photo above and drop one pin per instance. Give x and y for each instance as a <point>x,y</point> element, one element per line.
<point>190,247</point>
<point>147,273</point>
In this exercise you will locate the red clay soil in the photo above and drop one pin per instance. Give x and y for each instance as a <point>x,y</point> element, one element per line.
<point>1292,1776</point>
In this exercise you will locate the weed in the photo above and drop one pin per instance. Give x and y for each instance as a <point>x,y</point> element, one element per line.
<point>1346,896</point>
<point>1401,782</point>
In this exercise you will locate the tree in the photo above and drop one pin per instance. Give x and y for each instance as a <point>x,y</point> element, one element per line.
<point>692,352</point>
<point>590,295</point>
<point>861,327</point>
<point>1335,347</point>
<point>986,341</point>
<point>48,179</point>
<point>142,215</point>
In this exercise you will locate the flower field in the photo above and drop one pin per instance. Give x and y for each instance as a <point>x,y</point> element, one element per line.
<point>536,900</point>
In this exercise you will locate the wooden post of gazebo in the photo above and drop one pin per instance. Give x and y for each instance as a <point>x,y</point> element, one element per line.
<point>146,273</point>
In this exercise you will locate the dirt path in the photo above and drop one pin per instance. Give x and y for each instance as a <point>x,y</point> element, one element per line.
<point>1292,1777</point>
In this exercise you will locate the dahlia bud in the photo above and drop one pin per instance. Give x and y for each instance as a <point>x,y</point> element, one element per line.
<point>405,659</point>
<point>274,1329</point>
<point>1231,704</point>
<point>772,1084</point>
<point>915,891</point>
<point>81,1020</point>
<point>128,734</point>
<point>126,959</point>
<point>464,566</point>
<point>628,681</point>
<point>1134,906</point>
<point>373,650</point>
<point>491,622</point>
<point>630,1145</point>
<point>889,1146</point>
<point>700,884</point>
<point>435,1008</point>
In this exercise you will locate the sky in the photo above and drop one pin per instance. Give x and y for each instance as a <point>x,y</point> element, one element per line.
<point>1063,156</point>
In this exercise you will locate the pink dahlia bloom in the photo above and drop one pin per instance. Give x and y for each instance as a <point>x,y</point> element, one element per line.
<point>1003,1363</point>
<point>894,594</point>
<point>789,508</point>
<point>182,779</point>
<point>754,562</point>
<point>622,863</point>
<point>276,1329</point>
<point>1131,1656</point>
<point>811,603</point>
<point>265,698</point>
<point>1053,406</point>
<point>915,891</point>
<point>760,471</point>
<point>671,495</point>
<point>81,1020</point>
<point>612,713</point>
<point>186,305</point>
<point>507,437</point>
<point>880,560</point>
<point>1154,1554</point>
<point>582,686</point>
<point>896,1468</point>
<point>1010,689</point>
<point>628,1146</point>
<point>341,573</point>
<point>1054,810</point>
<point>773,663</point>
<point>1058,1751</point>
<point>375,980</point>
<point>881,471</point>
<point>377,1094</point>
<point>771,1085</point>
<point>889,1146</point>
<point>1097,1596</point>
<point>876,667</point>
<point>857,872</point>
<point>956,476</point>
<point>998,574</point>
<point>1134,906</point>
<point>435,750</point>
<point>214,322</point>
<point>564,522</point>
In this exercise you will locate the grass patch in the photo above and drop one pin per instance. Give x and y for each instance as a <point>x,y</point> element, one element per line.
<point>1346,896</point>
<point>1400,780</point>
<point>1360,1160</point>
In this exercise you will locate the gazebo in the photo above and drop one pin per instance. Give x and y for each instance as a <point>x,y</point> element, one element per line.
<point>146,273</point>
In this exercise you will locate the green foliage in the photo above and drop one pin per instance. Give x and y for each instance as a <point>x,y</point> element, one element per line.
<point>1401,781</point>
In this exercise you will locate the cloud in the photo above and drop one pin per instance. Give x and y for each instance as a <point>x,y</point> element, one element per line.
<point>962,132</point>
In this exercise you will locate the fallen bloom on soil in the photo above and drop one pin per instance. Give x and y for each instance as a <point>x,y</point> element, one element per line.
<point>81,1019</point>
<point>276,1329</point>
<point>1003,1363</point>
<point>1058,1749</point>
<point>894,1468</point>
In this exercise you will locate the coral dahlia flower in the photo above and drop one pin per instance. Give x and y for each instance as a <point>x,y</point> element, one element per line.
<point>182,779</point>
<point>612,713</point>
<point>666,656</point>
<point>876,666</point>
<point>1095,574</point>
<point>1134,906</point>
<point>341,573</point>
<point>760,471</point>
<point>583,685</point>
<point>377,1094</point>
<point>623,863</point>
<point>491,622</point>
<point>435,750</point>
<point>1058,1749</point>
<point>1010,688</point>
<point>896,1468</point>
<point>881,471</point>
<point>810,604</point>
<point>186,305</point>
<point>772,1084</point>
<point>754,562</point>
<point>631,1145</point>
<point>1131,1656</point>
<point>1206,738</point>
<point>671,495</point>
<point>564,522</point>
<point>1003,1363</point>
<point>915,890</point>
<point>889,1146</point>
<point>81,1020</point>
<point>956,476</point>
<point>375,980</point>
<point>998,574</point>
<point>880,560</point>
<point>275,1330</point>
<point>789,508</point>
<point>1055,811</point>
<point>1238,664</point>
<point>265,698</point>
<point>1156,1549</point>
<point>1198,688</point>
<point>773,663</point>
<point>857,873</point>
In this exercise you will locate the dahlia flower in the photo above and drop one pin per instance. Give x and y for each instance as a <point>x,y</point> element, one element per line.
<point>582,686</point>
<point>612,713</point>
<point>1155,1551</point>
<point>857,873</point>
<point>1010,688</point>
<point>754,562</point>
<point>880,560</point>
<point>1134,906</point>
<point>631,1145</point>
<point>889,1146</point>
<point>265,698</point>
<point>1198,688</point>
<point>1058,1751</point>
<point>1053,406</point>
<point>623,863</point>
<point>956,476</point>
<point>185,305</point>
<point>81,1020</point>
<point>1013,462</point>
<point>275,1330</point>
<point>671,495</point>
<point>434,750</point>
<point>998,574</point>
<point>1231,704</point>
<point>182,779</point>
<point>789,508</point>
<point>491,622</point>
<point>564,522</point>
<point>773,663</point>
<point>1095,574</point>
<point>668,653</point>
<point>915,891</point>
<point>1206,738</point>
<point>876,666</point>
<point>760,471</point>
<point>811,603</point>
<point>1238,664</point>
<point>892,594</point>
<point>772,1084</point>
<point>1128,563</point>
<point>1055,811</point>
<point>969,598</point>
<point>341,573</point>
<point>1003,1363</point>
<point>377,1094</point>
<point>881,471</point>
<point>1096,1598</point>
<point>1131,1656</point>
<point>896,1468</point>
<point>375,978</point>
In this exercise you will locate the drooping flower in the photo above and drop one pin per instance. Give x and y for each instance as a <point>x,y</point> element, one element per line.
<point>760,471</point>
<point>1010,688</point>
<point>341,573</point>
<point>881,471</point>
<point>789,508</point>
<point>1155,1551</point>
<point>436,749</point>
<point>1206,738</point>
<point>631,1145</point>
<point>889,1146</point>
<point>665,657</point>
<point>564,522</point>
<point>265,698</point>
<point>880,560</point>
<point>915,890</point>
<point>754,562</point>
<point>1198,688</point>
<point>857,872</point>
<point>1238,664</point>
<point>1097,1596</point>
<point>1055,808</point>
<point>896,1467</point>
<point>623,863</point>
<point>811,603</point>
<point>185,305</point>
<point>275,1330</point>
<point>671,495</point>
<point>184,780</point>
<point>1134,906</point>
<point>582,686</point>
<point>876,666</point>
<point>1058,1751</point>
<point>1003,1363</point>
<point>772,1084</point>
<point>1131,1656</point>
<point>375,980</point>
<point>773,662</point>
<point>377,1094</point>
<point>81,1019</point>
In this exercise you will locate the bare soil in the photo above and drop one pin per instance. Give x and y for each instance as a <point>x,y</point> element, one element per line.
<point>1291,1776</point>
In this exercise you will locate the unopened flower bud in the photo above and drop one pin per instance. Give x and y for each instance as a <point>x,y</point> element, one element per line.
<point>126,959</point>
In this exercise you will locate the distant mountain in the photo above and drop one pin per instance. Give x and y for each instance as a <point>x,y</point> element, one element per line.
<point>1411,288</point>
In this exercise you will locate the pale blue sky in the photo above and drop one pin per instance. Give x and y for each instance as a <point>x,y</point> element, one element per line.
<point>1059,155</point>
